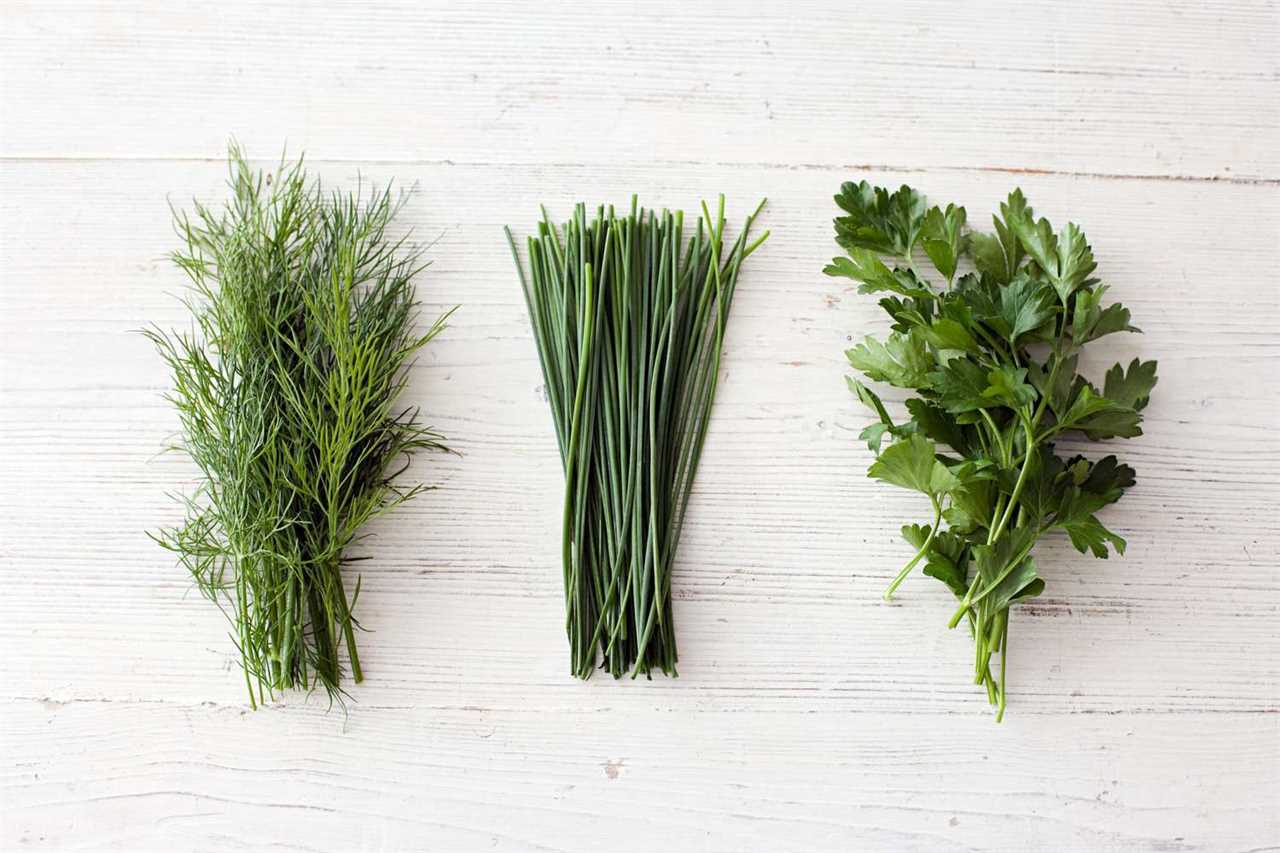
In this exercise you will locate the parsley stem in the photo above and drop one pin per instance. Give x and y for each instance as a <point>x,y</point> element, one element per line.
<point>995,343</point>
<point>971,600</point>
<point>1004,660</point>
<point>995,515</point>
<point>924,549</point>
<point>1017,487</point>
<point>995,433</point>
<point>1048,389</point>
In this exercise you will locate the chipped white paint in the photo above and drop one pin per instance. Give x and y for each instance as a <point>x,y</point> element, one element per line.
<point>808,714</point>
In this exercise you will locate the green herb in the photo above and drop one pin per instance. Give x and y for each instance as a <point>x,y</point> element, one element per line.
<point>629,318</point>
<point>303,312</point>
<point>991,355</point>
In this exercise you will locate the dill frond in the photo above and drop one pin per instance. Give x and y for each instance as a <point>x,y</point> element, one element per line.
<point>303,315</point>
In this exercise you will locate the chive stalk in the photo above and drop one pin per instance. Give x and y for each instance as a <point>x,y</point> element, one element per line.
<point>629,318</point>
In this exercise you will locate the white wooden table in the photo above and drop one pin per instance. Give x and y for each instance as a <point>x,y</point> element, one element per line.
<point>809,715</point>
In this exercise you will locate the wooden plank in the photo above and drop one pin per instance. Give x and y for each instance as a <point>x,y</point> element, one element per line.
<point>1152,88</point>
<point>131,776</point>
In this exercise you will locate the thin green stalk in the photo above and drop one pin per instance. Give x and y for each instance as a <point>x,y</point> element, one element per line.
<point>659,306</point>
<point>924,549</point>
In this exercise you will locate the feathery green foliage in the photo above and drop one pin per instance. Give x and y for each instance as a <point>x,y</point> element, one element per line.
<point>629,317</point>
<point>303,313</point>
<point>991,356</point>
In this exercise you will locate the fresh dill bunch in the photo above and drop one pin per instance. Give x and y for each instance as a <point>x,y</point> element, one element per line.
<point>303,316</point>
<point>629,314</point>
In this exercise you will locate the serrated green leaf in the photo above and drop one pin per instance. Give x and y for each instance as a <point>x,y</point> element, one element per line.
<point>866,225</point>
<point>916,534</point>
<point>937,426</point>
<point>1065,386</point>
<point>988,256</point>
<point>1131,388</point>
<point>948,561</point>
<point>912,464</point>
<point>869,399</point>
<point>945,333</point>
<point>1088,535</point>
<point>949,572</point>
<point>944,238</point>
<point>1086,403</point>
<point>1043,491</point>
<point>908,210</point>
<point>1099,417</point>
<point>902,360</point>
<point>996,256</point>
<point>992,565</point>
<point>1074,264</point>
<point>873,434</point>
<point>1007,386</point>
<point>1066,259</point>
<point>1107,478</point>
<point>907,313</point>
<point>1025,305</point>
<point>1117,422</point>
<point>1090,321</point>
<point>980,297</point>
<point>1037,238</point>
<point>960,385</point>
<point>877,220</point>
<point>971,505</point>
<point>942,256</point>
<point>864,266</point>
<point>1114,318</point>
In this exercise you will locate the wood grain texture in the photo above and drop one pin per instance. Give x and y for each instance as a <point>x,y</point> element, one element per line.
<point>809,715</point>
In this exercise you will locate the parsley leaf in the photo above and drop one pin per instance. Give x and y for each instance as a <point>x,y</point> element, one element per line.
<point>913,464</point>
<point>902,360</point>
<point>878,220</point>
<point>960,386</point>
<point>1131,388</point>
<point>1091,321</point>
<point>1008,386</point>
<point>944,238</point>
<point>1025,305</point>
<point>865,266</point>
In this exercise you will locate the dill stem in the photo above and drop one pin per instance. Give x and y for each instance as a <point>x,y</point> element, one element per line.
<point>348,627</point>
<point>286,644</point>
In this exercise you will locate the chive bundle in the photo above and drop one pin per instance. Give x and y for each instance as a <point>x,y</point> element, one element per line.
<point>629,319</point>
<point>303,312</point>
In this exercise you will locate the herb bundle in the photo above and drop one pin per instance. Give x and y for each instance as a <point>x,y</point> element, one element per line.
<point>303,313</point>
<point>992,356</point>
<point>629,317</point>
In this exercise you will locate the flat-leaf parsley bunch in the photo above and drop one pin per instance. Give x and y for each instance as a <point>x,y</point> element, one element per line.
<point>991,355</point>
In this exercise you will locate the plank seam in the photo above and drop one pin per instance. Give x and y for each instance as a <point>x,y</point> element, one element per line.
<point>55,704</point>
<point>1237,180</point>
